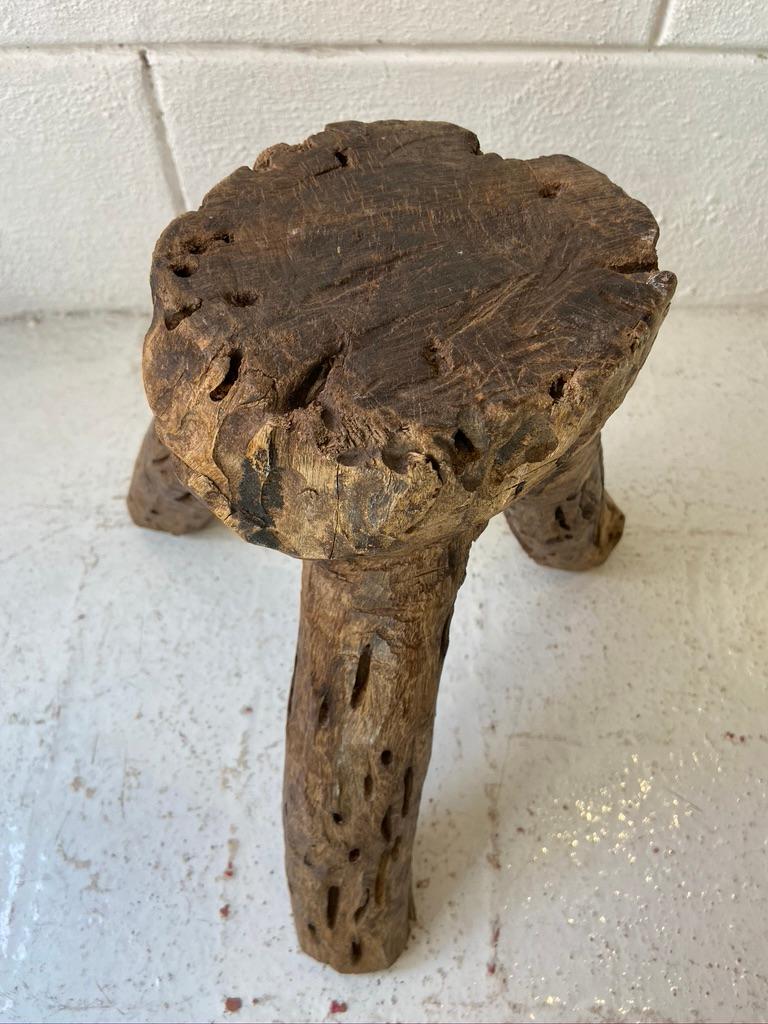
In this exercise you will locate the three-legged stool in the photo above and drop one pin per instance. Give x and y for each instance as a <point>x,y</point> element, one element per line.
<point>362,349</point>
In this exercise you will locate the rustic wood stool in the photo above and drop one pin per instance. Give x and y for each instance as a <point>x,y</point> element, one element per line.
<point>362,349</point>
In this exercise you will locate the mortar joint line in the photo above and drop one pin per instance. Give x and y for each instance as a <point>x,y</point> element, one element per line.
<point>659,26</point>
<point>160,130</point>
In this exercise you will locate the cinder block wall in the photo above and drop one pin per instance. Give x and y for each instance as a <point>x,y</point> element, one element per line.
<point>115,116</point>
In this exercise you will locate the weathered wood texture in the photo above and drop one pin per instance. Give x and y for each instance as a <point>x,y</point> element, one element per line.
<point>156,498</point>
<point>373,635</point>
<point>380,336</point>
<point>569,521</point>
<point>363,348</point>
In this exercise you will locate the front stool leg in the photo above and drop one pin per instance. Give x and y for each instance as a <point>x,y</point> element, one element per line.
<point>372,639</point>
<point>569,521</point>
<point>156,498</point>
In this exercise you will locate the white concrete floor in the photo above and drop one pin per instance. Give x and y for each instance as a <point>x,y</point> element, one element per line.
<point>593,840</point>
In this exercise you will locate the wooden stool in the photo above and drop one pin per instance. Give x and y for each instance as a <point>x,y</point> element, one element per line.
<point>362,349</point>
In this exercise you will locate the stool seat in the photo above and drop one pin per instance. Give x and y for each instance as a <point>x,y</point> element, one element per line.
<point>362,349</point>
<point>383,334</point>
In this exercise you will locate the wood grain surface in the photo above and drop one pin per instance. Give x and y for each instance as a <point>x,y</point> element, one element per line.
<point>383,334</point>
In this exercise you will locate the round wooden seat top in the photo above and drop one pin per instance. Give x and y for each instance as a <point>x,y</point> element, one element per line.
<point>382,333</point>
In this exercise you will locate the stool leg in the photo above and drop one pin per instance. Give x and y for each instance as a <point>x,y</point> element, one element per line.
<point>156,498</point>
<point>372,640</point>
<point>569,521</point>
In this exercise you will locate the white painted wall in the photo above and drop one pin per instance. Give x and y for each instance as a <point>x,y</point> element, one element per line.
<point>115,116</point>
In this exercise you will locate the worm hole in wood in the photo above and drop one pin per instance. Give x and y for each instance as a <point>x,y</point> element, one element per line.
<point>463,445</point>
<point>332,905</point>
<point>233,371</point>
<point>361,909</point>
<point>361,676</point>
<point>311,384</point>
<point>323,710</point>
<point>638,266</point>
<point>556,388</point>
<point>240,298</point>
<point>183,269</point>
